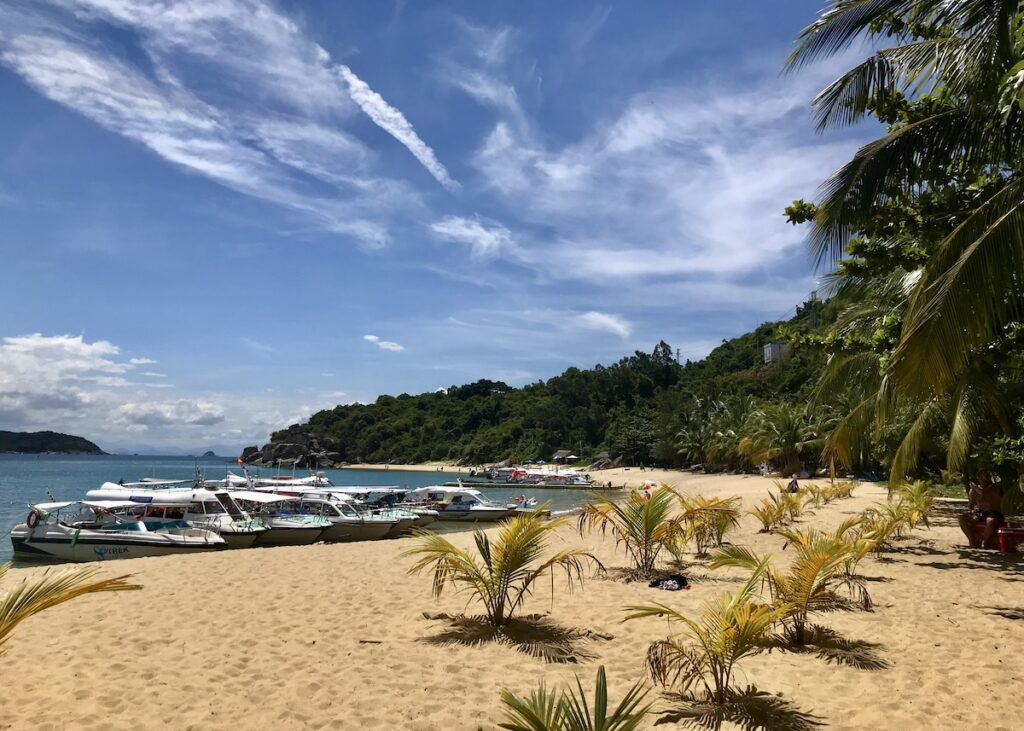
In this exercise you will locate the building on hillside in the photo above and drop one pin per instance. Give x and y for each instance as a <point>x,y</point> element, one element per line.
<point>773,352</point>
<point>564,456</point>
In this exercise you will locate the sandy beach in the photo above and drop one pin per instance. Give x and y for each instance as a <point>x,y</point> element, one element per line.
<point>334,637</point>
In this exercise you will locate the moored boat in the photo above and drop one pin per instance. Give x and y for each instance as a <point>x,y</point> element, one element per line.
<point>94,530</point>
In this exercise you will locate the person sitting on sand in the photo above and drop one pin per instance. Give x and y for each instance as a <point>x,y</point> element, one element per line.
<point>984,505</point>
<point>793,486</point>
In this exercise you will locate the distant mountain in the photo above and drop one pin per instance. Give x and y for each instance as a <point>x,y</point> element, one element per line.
<point>208,454</point>
<point>42,442</point>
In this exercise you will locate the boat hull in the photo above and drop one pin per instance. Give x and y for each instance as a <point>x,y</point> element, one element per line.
<point>475,516</point>
<point>241,539</point>
<point>367,530</point>
<point>91,546</point>
<point>289,536</point>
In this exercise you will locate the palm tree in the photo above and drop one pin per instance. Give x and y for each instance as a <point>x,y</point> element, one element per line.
<point>806,587</point>
<point>702,658</point>
<point>34,595</point>
<point>503,573</point>
<point>643,526</point>
<point>959,62</point>
<point>781,434</point>
<point>545,710</point>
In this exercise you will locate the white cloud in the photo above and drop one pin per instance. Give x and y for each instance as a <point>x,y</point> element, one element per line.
<point>384,344</point>
<point>153,374</point>
<point>484,240</point>
<point>395,124</point>
<point>272,131</point>
<point>68,384</point>
<point>602,321</point>
<point>141,361</point>
<point>686,182</point>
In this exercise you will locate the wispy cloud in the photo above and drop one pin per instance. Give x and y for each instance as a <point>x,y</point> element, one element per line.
<point>603,321</point>
<point>258,346</point>
<point>685,182</point>
<point>484,240</point>
<point>273,130</point>
<point>384,344</point>
<point>141,361</point>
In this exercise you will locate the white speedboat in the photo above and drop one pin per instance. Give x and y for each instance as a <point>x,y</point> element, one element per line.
<point>203,508</point>
<point>314,480</point>
<point>461,503</point>
<point>287,527</point>
<point>94,531</point>
<point>349,524</point>
<point>383,499</point>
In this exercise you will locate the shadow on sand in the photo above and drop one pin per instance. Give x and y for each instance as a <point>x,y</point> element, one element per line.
<point>835,649</point>
<point>748,709</point>
<point>533,635</point>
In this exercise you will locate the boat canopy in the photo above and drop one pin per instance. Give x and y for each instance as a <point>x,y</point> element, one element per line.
<point>259,497</point>
<point>104,504</point>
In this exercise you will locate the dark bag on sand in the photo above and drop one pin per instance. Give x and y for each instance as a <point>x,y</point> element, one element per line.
<point>675,582</point>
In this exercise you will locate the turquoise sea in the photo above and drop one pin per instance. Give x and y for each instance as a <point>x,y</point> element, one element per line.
<point>27,479</point>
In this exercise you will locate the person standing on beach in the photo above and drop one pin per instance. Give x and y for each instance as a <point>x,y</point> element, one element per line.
<point>984,505</point>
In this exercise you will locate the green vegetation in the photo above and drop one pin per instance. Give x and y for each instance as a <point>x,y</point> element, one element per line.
<point>636,409</point>
<point>502,576</point>
<point>545,710</point>
<point>41,442</point>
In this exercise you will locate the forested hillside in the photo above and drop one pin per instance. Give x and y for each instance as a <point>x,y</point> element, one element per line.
<point>636,408</point>
<point>41,442</point>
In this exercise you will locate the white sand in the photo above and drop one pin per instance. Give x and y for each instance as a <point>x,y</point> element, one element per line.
<point>333,637</point>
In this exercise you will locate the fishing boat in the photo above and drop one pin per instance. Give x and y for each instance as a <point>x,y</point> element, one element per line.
<point>461,503</point>
<point>212,510</point>
<point>287,527</point>
<point>95,530</point>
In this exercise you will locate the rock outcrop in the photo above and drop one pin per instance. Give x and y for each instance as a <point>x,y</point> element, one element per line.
<point>296,448</point>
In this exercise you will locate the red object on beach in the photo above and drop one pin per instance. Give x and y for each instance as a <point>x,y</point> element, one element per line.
<point>1010,539</point>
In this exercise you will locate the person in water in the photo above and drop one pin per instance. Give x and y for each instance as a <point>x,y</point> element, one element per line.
<point>984,505</point>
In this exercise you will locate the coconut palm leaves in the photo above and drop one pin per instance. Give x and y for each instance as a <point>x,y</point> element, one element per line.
<point>700,659</point>
<point>502,574</point>
<point>783,435</point>
<point>806,587</point>
<point>960,63</point>
<point>545,710</point>
<point>33,595</point>
<point>642,526</point>
<point>708,520</point>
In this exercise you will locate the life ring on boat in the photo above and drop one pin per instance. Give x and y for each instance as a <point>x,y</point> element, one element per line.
<point>33,518</point>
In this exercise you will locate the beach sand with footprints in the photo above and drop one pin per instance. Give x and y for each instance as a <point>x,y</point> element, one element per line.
<point>334,637</point>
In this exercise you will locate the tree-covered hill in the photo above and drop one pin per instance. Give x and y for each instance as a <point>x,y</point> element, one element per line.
<point>41,442</point>
<point>633,409</point>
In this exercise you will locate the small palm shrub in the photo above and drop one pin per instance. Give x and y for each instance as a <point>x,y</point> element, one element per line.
<point>807,586</point>
<point>794,503</point>
<point>33,595</point>
<point>700,659</point>
<point>642,526</point>
<point>545,710</point>
<point>917,499</point>
<point>844,489</point>
<point>503,573</point>
<point>709,519</point>
<point>815,495</point>
<point>771,512</point>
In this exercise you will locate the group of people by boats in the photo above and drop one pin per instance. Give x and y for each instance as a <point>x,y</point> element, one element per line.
<point>154,517</point>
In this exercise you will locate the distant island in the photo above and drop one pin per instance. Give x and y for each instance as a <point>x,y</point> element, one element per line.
<point>208,453</point>
<point>43,442</point>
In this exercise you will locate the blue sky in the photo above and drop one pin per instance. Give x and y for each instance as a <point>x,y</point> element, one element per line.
<point>221,215</point>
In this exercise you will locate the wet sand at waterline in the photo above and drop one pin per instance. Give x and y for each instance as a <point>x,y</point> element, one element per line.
<point>333,637</point>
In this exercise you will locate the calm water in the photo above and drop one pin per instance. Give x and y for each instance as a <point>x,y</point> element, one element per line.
<point>27,479</point>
